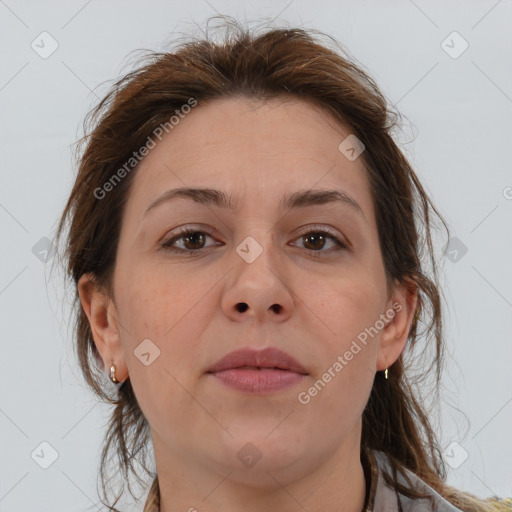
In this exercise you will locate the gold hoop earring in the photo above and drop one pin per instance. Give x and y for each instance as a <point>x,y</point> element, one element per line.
<point>113,373</point>
<point>386,373</point>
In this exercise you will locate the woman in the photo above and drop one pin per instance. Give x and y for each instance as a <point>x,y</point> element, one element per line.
<point>245,240</point>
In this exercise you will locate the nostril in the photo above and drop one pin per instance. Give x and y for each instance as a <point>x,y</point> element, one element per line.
<point>241,307</point>
<point>276,308</point>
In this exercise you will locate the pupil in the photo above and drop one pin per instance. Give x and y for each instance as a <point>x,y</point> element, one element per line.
<point>195,242</point>
<point>317,237</point>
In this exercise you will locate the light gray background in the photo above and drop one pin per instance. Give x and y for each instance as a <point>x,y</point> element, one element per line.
<point>459,139</point>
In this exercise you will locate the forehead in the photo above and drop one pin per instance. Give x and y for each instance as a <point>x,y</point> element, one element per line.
<point>251,148</point>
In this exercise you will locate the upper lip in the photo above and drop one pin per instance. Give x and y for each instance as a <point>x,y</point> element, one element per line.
<point>269,357</point>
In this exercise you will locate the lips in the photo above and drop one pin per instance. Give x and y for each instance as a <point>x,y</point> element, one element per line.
<point>269,358</point>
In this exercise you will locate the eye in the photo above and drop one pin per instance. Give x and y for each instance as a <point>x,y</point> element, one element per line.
<point>316,240</point>
<point>192,239</point>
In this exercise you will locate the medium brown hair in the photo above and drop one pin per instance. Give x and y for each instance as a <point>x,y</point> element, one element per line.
<point>276,63</point>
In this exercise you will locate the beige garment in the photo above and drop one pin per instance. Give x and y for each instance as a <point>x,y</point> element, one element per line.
<point>384,498</point>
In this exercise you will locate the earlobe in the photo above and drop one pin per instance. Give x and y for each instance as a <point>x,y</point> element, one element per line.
<point>401,309</point>
<point>102,315</point>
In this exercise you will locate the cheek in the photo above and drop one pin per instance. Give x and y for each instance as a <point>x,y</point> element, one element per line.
<point>158,298</point>
<point>346,304</point>
<point>350,305</point>
<point>163,319</point>
<point>166,310</point>
<point>347,352</point>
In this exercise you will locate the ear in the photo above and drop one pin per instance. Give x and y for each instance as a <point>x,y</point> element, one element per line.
<point>401,307</point>
<point>102,315</point>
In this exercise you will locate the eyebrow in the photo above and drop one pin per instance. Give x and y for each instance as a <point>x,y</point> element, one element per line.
<point>299,199</point>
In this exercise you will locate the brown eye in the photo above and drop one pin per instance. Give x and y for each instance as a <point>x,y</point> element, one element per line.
<point>191,240</point>
<point>315,241</point>
<point>194,240</point>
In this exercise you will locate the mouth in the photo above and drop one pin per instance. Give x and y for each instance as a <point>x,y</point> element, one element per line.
<point>259,368</point>
<point>258,371</point>
<point>270,358</point>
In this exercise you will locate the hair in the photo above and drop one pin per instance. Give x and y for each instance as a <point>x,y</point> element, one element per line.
<point>276,63</point>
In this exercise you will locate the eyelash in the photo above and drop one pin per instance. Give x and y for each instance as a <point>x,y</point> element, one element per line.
<point>167,245</point>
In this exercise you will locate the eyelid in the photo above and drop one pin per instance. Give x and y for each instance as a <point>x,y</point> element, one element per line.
<point>320,227</point>
<point>183,230</point>
<point>338,238</point>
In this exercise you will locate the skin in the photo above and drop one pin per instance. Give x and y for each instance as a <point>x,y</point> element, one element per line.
<point>310,454</point>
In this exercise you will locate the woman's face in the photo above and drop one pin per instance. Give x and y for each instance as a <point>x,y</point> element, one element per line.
<point>252,278</point>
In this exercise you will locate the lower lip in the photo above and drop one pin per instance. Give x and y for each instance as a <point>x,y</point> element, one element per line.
<point>258,381</point>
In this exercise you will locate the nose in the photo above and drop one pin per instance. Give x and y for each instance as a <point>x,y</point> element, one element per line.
<point>259,290</point>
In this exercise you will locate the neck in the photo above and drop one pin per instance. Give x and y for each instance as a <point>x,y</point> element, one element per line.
<point>335,483</point>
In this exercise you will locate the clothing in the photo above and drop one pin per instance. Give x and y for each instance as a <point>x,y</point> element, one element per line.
<point>380,497</point>
<point>383,498</point>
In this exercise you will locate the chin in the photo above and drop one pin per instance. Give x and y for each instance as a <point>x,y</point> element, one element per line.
<point>251,458</point>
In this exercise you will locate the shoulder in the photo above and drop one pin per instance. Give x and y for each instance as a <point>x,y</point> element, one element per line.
<point>387,499</point>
